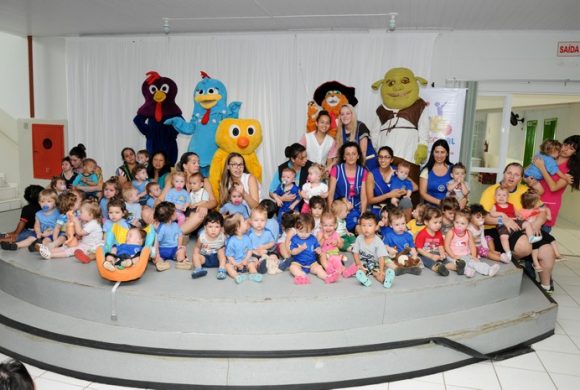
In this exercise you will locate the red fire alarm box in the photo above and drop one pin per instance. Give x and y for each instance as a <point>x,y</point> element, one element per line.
<point>47,150</point>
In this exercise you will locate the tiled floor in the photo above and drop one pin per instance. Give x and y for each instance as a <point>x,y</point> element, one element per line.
<point>555,364</point>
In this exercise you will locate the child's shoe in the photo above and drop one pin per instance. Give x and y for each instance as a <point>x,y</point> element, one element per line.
<point>263,266</point>
<point>82,256</point>
<point>363,278</point>
<point>162,265</point>
<point>389,278</point>
<point>35,246</point>
<point>108,266</point>
<point>441,269</point>
<point>300,280</point>
<point>468,272</point>
<point>332,278</point>
<point>256,278</point>
<point>350,271</point>
<point>44,252</point>
<point>221,274</point>
<point>460,264</point>
<point>284,265</point>
<point>198,273</point>
<point>505,258</point>
<point>241,278</point>
<point>416,270</point>
<point>186,264</point>
<point>493,270</point>
<point>9,246</point>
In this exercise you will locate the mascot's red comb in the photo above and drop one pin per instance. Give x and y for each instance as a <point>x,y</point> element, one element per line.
<point>151,77</point>
<point>204,75</point>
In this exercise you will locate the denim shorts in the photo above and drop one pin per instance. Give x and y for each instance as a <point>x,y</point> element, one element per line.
<point>211,261</point>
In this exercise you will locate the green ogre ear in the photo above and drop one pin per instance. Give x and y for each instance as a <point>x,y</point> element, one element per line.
<point>421,81</point>
<point>377,84</point>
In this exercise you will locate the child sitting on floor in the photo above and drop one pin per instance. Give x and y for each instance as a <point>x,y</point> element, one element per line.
<point>140,181</point>
<point>127,254</point>
<point>209,249</point>
<point>235,204</point>
<point>483,244</point>
<point>416,224</point>
<point>25,227</point>
<point>169,243</point>
<point>431,244</point>
<point>239,250</point>
<point>339,208</point>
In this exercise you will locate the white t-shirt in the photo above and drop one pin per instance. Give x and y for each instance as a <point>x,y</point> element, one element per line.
<point>313,191</point>
<point>94,235</point>
<point>198,196</point>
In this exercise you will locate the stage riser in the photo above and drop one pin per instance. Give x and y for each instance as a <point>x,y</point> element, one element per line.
<point>365,307</point>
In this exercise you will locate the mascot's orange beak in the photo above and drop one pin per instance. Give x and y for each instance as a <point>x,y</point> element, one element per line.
<point>159,96</point>
<point>243,142</point>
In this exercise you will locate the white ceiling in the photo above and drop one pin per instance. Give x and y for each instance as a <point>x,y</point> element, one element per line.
<point>84,17</point>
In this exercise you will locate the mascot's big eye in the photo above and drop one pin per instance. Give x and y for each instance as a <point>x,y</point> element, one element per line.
<point>164,88</point>
<point>212,90</point>
<point>390,83</point>
<point>199,92</point>
<point>405,80</point>
<point>234,131</point>
<point>251,130</point>
<point>152,89</point>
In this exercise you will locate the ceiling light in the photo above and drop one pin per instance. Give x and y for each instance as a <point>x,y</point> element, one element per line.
<point>166,28</point>
<point>392,21</point>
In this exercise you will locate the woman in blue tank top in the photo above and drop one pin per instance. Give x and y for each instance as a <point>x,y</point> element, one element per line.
<point>435,174</point>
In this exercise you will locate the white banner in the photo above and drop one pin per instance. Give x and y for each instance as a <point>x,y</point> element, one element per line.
<point>446,106</point>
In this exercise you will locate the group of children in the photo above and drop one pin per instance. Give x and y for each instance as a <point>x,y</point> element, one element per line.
<point>295,231</point>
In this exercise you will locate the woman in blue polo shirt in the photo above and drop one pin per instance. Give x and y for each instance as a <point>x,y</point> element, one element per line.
<point>435,174</point>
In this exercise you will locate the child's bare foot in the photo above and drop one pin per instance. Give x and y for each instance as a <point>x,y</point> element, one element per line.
<point>109,266</point>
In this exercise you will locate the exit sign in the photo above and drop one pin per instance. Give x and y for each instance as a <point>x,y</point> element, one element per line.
<point>569,49</point>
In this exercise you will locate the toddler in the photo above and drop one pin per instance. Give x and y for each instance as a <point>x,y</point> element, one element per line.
<point>457,187</point>
<point>431,245</point>
<point>416,224</point>
<point>370,254</point>
<point>68,204</point>
<point>143,157</point>
<point>304,248</point>
<point>400,181</point>
<point>88,177</point>
<point>283,245</point>
<point>44,224</point>
<point>272,223</point>
<point>236,204</point>
<point>287,187</point>
<point>449,207</point>
<point>239,258</point>
<point>339,208</point>
<point>315,186</point>
<point>549,152</point>
<point>25,227</point>
<point>132,205</point>
<point>329,240</point>
<point>111,189</point>
<point>460,248</point>
<point>169,243</point>
<point>127,254</point>
<point>197,193</point>
<point>88,228</point>
<point>209,249</point>
<point>153,192</point>
<point>178,195</point>
<point>318,206</point>
<point>483,244</point>
<point>263,241</point>
<point>384,226</point>
<point>501,209</point>
<point>398,238</point>
<point>140,181</point>
<point>58,183</point>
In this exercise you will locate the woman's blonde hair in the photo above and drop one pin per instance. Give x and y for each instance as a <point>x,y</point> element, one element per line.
<point>351,127</point>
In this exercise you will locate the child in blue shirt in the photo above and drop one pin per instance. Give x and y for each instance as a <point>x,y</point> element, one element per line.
<point>272,222</point>
<point>178,195</point>
<point>236,204</point>
<point>169,244</point>
<point>287,187</point>
<point>88,178</point>
<point>398,238</point>
<point>239,250</point>
<point>140,182</point>
<point>305,249</point>
<point>263,241</point>
<point>400,181</point>
<point>549,152</point>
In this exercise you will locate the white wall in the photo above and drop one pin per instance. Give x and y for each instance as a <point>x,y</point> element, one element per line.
<point>50,78</point>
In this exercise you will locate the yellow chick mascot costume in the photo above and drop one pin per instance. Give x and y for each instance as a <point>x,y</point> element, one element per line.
<point>242,136</point>
<point>404,122</point>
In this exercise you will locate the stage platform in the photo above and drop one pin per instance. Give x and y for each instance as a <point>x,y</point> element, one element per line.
<point>169,331</point>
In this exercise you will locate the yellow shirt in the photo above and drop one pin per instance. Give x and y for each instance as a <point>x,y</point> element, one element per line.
<point>414,228</point>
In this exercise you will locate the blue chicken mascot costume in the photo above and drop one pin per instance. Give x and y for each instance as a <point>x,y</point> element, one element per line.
<point>210,108</point>
<point>159,93</point>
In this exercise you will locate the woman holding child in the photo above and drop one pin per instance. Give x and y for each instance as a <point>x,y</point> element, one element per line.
<point>347,180</point>
<point>235,174</point>
<point>298,161</point>
<point>436,174</point>
<point>518,241</point>
<point>377,184</point>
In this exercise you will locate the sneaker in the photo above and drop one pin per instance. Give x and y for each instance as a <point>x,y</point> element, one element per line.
<point>162,265</point>
<point>460,264</point>
<point>82,256</point>
<point>34,247</point>
<point>363,278</point>
<point>389,278</point>
<point>198,273</point>
<point>469,272</point>
<point>284,265</point>
<point>414,270</point>
<point>44,252</point>
<point>241,278</point>
<point>332,278</point>
<point>9,246</point>
<point>256,278</point>
<point>221,274</point>
<point>493,270</point>
<point>440,269</point>
<point>350,271</point>
<point>504,258</point>
<point>186,264</point>
<point>263,267</point>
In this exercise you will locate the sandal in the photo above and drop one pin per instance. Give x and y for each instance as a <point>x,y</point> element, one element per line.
<point>332,278</point>
<point>389,278</point>
<point>221,274</point>
<point>363,278</point>
<point>198,273</point>
<point>44,252</point>
<point>82,256</point>
<point>300,280</point>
